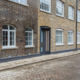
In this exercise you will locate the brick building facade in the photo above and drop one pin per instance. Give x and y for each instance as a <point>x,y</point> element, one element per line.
<point>21,17</point>
<point>44,23</point>
<point>56,22</point>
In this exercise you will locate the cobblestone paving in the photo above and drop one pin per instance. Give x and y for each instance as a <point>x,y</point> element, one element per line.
<point>67,68</point>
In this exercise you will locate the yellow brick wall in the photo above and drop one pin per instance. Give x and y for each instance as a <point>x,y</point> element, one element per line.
<point>56,22</point>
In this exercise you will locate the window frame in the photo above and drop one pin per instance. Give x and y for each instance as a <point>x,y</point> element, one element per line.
<point>46,10</point>
<point>70,43</point>
<point>78,37</point>
<point>78,15</point>
<point>57,1</point>
<point>8,46</point>
<point>19,2</point>
<point>29,46</point>
<point>62,36</point>
<point>70,16</point>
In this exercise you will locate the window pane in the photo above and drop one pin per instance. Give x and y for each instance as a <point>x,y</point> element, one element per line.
<point>30,43</point>
<point>78,37</point>
<point>5,38</point>
<point>20,1</point>
<point>27,43</point>
<point>59,36</point>
<point>23,2</point>
<point>30,34</point>
<point>70,37</point>
<point>12,38</point>
<point>45,5</point>
<point>59,7</point>
<point>28,37</point>
<point>28,29</point>
<point>15,0</point>
<point>11,28</point>
<point>5,27</point>
<point>70,12</point>
<point>78,15</point>
<point>8,36</point>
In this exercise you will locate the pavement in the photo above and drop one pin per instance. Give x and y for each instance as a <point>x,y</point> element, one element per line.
<point>63,68</point>
<point>33,60</point>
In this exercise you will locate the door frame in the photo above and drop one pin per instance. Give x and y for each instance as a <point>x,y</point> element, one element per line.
<point>46,28</point>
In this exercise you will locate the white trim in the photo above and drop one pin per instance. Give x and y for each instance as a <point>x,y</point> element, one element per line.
<point>8,31</point>
<point>78,17</point>
<point>28,46</point>
<point>70,16</point>
<point>70,43</point>
<point>62,8</point>
<point>59,44</point>
<point>19,2</point>
<point>9,47</point>
<point>72,38</point>
<point>49,4</point>
<point>77,37</point>
<point>45,11</point>
<point>59,30</point>
<point>78,43</point>
<point>62,37</point>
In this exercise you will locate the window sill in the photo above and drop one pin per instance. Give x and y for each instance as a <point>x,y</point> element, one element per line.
<point>78,21</point>
<point>29,46</point>
<point>70,43</point>
<point>23,4</point>
<point>71,19</point>
<point>78,43</point>
<point>62,16</point>
<point>4,48</point>
<point>19,3</point>
<point>49,12</point>
<point>59,44</point>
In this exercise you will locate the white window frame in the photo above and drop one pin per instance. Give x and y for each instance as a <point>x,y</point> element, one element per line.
<point>19,2</point>
<point>78,37</point>
<point>9,46</point>
<point>78,15</point>
<point>28,46</point>
<point>58,7</point>
<point>49,4</point>
<point>61,36</point>
<point>70,13</point>
<point>70,36</point>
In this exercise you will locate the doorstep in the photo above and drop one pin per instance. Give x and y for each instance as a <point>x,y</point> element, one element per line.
<point>27,61</point>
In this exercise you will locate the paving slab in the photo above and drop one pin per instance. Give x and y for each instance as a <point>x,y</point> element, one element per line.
<point>64,68</point>
<point>28,61</point>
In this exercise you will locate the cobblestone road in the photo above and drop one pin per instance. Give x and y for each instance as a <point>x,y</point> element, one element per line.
<point>67,68</point>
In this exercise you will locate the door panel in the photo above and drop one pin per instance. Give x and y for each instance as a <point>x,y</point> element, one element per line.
<point>45,41</point>
<point>42,41</point>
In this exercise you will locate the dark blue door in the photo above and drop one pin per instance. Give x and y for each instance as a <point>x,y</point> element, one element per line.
<point>45,40</point>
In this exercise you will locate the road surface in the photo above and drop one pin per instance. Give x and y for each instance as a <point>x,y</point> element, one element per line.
<point>67,68</point>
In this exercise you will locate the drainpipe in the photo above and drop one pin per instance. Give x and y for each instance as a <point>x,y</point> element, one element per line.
<point>76,22</point>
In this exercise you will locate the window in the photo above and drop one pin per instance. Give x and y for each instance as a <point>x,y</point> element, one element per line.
<point>9,36</point>
<point>78,37</point>
<point>45,5</point>
<point>59,37</point>
<point>29,37</point>
<point>59,8</point>
<point>71,13</point>
<point>24,2</point>
<point>70,37</point>
<point>78,17</point>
